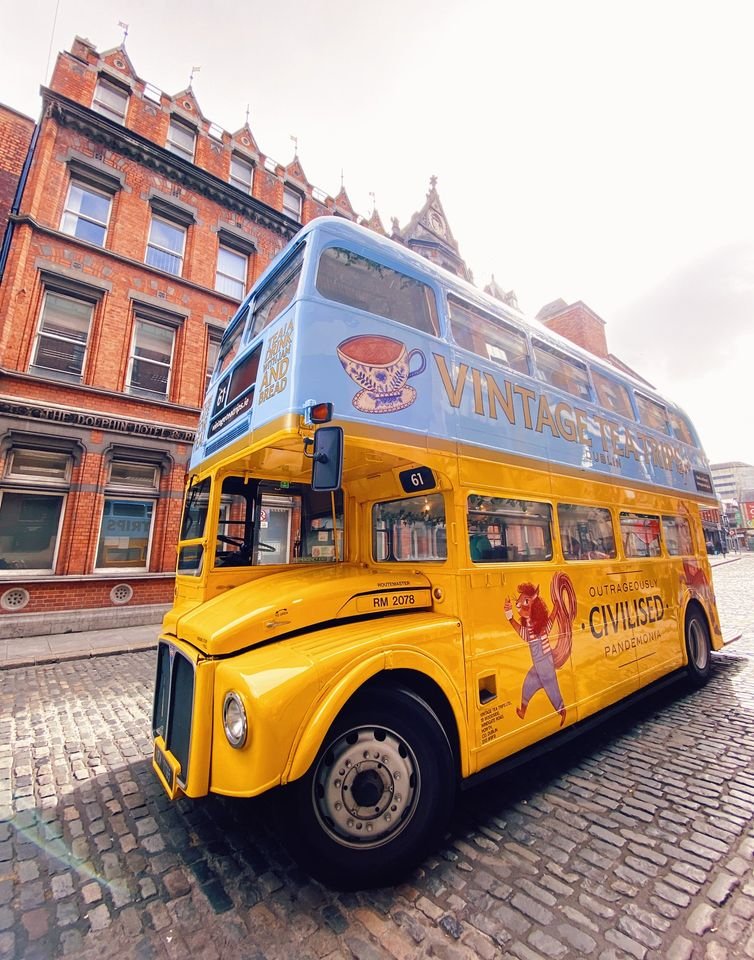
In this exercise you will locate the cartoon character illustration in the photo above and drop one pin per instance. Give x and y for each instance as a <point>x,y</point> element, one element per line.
<point>695,580</point>
<point>535,626</point>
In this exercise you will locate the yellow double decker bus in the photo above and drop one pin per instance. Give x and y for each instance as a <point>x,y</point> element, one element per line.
<point>420,536</point>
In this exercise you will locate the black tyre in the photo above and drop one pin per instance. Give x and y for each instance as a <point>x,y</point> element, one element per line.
<point>698,648</point>
<point>378,795</point>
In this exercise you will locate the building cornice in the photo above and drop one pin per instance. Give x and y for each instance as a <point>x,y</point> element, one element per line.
<point>133,146</point>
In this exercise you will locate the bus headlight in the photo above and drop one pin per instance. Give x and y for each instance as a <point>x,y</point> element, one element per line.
<point>234,720</point>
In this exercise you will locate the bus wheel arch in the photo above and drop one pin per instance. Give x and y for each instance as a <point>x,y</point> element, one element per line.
<point>379,792</point>
<point>698,643</point>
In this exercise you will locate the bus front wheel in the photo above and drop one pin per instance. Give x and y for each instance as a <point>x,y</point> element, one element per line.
<point>698,648</point>
<point>378,795</point>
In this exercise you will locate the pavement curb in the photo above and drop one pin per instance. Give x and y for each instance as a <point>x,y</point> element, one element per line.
<point>77,655</point>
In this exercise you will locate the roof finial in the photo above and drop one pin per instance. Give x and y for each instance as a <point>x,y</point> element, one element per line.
<point>295,145</point>
<point>191,77</point>
<point>247,114</point>
<point>124,28</point>
<point>374,202</point>
<point>433,182</point>
<point>342,181</point>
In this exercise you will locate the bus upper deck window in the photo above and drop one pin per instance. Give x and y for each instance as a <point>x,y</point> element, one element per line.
<point>349,278</point>
<point>681,428</point>
<point>276,294</point>
<point>612,394</point>
<point>652,414</point>
<point>488,337</point>
<point>563,372</point>
<point>231,341</point>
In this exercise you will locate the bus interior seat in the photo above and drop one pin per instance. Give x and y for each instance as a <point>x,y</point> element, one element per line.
<point>480,547</point>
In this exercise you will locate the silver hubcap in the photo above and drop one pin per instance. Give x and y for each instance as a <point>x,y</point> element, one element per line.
<point>366,787</point>
<point>698,650</point>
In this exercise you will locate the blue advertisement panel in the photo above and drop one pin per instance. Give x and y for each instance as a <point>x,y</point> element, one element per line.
<point>382,373</point>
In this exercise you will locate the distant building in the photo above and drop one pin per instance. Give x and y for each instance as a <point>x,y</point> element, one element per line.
<point>733,480</point>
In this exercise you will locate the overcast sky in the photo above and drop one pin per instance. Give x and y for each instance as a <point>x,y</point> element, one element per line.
<point>594,151</point>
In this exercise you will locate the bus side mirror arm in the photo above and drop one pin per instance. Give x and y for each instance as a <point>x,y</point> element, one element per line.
<point>326,457</point>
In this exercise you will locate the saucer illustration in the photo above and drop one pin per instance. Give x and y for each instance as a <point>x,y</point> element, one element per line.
<point>370,403</point>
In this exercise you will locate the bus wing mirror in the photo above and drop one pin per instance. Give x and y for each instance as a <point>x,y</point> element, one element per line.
<point>327,466</point>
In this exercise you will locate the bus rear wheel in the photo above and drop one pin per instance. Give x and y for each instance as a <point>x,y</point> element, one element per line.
<point>698,648</point>
<point>378,795</point>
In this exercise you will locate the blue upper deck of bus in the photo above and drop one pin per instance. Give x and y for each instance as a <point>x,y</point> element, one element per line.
<point>347,316</point>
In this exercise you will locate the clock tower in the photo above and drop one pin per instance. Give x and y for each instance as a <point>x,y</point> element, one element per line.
<point>428,234</point>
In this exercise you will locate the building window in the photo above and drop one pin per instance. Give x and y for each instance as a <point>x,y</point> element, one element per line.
<point>30,519</point>
<point>110,100</point>
<point>213,351</point>
<point>241,173</point>
<point>44,466</point>
<point>150,359</point>
<point>292,203</point>
<point>126,473</point>
<point>166,245</point>
<point>181,138</point>
<point>230,278</point>
<point>60,346</point>
<point>86,213</point>
<point>125,535</point>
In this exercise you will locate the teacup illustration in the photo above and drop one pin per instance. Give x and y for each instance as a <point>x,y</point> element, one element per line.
<point>381,366</point>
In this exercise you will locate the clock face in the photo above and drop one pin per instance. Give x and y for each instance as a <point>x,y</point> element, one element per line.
<point>437,223</point>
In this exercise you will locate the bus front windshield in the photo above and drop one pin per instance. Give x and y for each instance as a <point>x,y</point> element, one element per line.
<point>261,522</point>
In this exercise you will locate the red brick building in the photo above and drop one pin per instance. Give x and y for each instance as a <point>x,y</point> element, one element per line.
<point>138,226</point>
<point>16,132</point>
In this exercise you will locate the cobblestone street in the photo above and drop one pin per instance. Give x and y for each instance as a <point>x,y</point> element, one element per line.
<point>637,842</point>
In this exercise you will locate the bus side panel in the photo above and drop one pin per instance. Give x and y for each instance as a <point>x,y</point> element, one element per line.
<point>659,627</point>
<point>514,700</point>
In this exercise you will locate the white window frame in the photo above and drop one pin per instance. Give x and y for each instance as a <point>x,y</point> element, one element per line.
<point>83,185</point>
<point>13,456</point>
<point>51,372</point>
<point>101,106</point>
<point>239,182</point>
<point>132,487</point>
<point>174,145</point>
<point>222,275</point>
<point>288,209</point>
<point>166,250</point>
<point>135,389</point>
